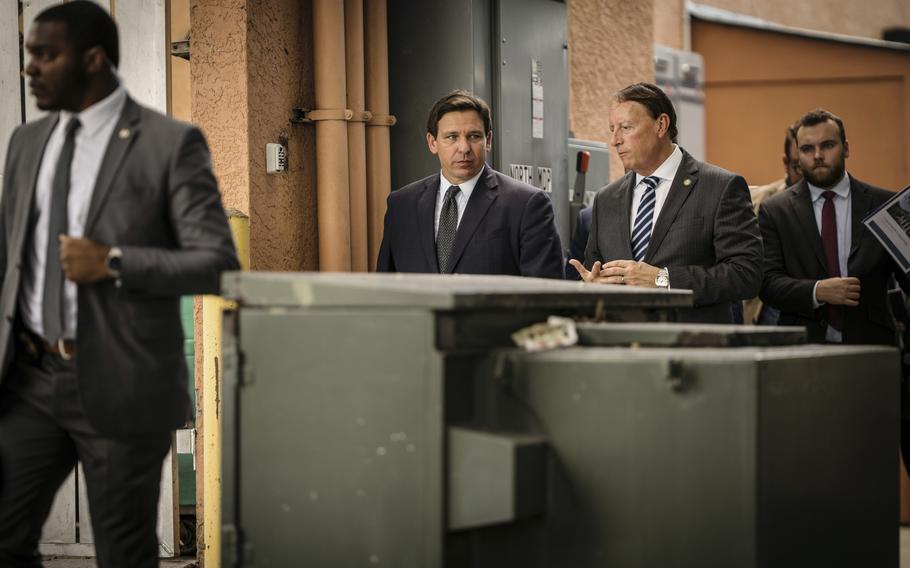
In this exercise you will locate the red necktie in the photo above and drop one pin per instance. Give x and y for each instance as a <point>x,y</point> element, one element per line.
<point>829,243</point>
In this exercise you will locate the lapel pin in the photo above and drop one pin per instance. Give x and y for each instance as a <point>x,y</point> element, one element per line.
<point>125,133</point>
<point>687,182</point>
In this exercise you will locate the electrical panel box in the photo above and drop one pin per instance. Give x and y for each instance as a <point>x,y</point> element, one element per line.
<point>681,74</point>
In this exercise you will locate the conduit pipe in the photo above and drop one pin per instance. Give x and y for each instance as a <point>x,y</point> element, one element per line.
<point>332,190</point>
<point>379,174</point>
<point>357,174</point>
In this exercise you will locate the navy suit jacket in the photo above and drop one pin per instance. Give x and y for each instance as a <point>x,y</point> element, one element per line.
<point>508,227</point>
<point>795,261</point>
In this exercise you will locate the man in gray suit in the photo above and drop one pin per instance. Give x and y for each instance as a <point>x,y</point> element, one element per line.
<point>671,221</point>
<point>110,212</point>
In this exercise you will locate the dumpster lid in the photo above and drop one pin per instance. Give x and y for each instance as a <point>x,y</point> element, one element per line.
<point>688,335</point>
<point>436,291</point>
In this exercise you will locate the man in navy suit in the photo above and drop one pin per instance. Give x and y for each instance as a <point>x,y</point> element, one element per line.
<point>468,218</point>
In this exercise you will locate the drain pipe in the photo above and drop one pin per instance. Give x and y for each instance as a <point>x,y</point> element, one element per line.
<point>357,172</point>
<point>332,193</point>
<point>379,173</point>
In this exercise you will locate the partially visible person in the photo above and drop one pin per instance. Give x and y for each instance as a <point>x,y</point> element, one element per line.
<point>754,310</point>
<point>823,269</point>
<point>468,218</point>
<point>110,213</point>
<point>579,240</point>
<point>671,221</point>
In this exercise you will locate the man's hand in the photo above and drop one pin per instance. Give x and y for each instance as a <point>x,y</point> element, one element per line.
<point>631,273</point>
<point>593,276</point>
<point>83,261</point>
<point>838,291</point>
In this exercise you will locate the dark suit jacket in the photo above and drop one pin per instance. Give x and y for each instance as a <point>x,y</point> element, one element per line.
<point>507,228</point>
<point>795,261</point>
<point>156,198</point>
<point>706,235</point>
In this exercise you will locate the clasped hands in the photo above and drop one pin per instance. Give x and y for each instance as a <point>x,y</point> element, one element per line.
<point>84,261</point>
<point>626,272</point>
<point>838,291</point>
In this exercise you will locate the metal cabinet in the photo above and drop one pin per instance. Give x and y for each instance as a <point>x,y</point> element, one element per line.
<point>385,420</point>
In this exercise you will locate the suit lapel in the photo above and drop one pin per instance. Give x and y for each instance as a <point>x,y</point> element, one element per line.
<point>482,197</point>
<point>626,194</point>
<point>426,219</point>
<point>26,213</point>
<point>122,138</point>
<point>801,201</point>
<point>860,204</point>
<point>683,184</point>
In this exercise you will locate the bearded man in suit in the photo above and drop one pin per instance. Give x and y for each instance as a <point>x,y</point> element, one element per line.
<point>110,212</point>
<point>823,269</point>
<point>671,221</point>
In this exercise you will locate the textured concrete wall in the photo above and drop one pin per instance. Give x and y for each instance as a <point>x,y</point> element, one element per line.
<point>610,46</point>
<point>850,17</point>
<point>283,213</point>
<point>250,66</point>
<point>864,19</point>
<point>669,23</point>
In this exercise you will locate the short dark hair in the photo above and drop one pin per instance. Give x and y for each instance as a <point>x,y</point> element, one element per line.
<point>459,100</point>
<point>819,116</point>
<point>652,98</point>
<point>790,139</point>
<point>87,25</point>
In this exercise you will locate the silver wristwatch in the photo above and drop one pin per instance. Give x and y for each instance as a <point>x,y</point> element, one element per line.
<point>113,262</point>
<point>663,279</point>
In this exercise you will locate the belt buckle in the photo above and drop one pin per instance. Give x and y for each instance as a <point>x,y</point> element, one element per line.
<point>61,347</point>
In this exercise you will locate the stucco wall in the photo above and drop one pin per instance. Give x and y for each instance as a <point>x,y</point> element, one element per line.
<point>850,17</point>
<point>249,68</point>
<point>610,46</point>
<point>283,206</point>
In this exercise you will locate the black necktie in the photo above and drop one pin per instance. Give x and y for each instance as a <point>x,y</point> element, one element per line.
<point>52,304</point>
<point>448,224</point>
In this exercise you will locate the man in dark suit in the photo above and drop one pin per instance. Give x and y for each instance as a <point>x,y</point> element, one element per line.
<point>823,269</point>
<point>110,212</point>
<point>468,218</point>
<point>671,221</point>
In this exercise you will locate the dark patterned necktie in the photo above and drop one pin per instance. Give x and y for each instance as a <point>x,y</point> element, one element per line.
<point>829,243</point>
<point>448,224</point>
<point>641,230</point>
<point>52,303</point>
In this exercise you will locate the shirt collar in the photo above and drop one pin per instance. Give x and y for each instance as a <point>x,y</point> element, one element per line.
<point>100,113</point>
<point>841,188</point>
<point>466,187</point>
<point>667,170</point>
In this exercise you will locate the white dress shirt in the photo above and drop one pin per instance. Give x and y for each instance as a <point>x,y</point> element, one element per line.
<point>461,199</point>
<point>666,172</point>
<point>97,126</point>
<point>843,211</point>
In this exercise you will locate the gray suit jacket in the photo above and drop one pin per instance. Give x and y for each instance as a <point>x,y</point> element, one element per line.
<point>795,261</point>
<point>156,198</point>
<point>706,235</point>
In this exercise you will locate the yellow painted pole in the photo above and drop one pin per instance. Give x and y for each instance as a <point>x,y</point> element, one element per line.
<point>212,310</point>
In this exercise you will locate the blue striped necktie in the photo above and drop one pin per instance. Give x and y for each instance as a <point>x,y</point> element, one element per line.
<point>644,218</point>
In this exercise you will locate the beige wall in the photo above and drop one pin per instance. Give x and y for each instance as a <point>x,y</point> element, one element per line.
<point>249,68</point>
<point>610,46</point>
<point>850,17</point>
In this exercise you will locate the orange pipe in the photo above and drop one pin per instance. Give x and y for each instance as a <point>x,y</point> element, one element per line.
<point>379,173</point>
<point>357,173</point>
<point>332,192</point>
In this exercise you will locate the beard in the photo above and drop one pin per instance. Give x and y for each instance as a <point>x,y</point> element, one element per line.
<point>825,179</point>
